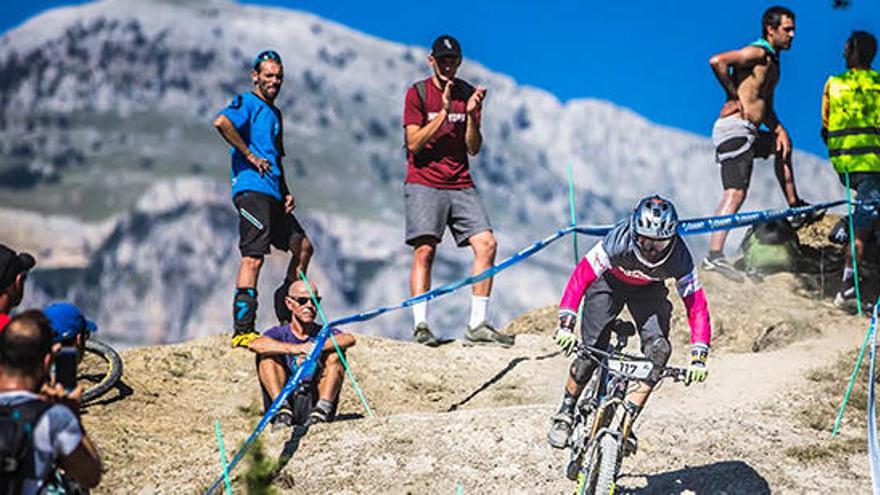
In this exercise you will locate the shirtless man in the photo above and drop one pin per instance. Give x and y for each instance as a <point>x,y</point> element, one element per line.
<point>749,76</point>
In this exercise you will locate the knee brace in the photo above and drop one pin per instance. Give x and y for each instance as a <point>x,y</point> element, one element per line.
<point>244,310</point>
<point>658,350</point>
<point>582,370</point>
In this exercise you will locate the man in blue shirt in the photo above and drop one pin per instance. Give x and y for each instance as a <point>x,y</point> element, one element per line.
<point>252,126</point>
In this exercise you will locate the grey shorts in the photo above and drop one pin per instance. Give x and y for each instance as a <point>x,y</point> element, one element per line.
<point>604,300</point>
<point>430,210</point>
<point>737,142</point>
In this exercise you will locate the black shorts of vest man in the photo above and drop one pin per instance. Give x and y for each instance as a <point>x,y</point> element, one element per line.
<point>263,223</point>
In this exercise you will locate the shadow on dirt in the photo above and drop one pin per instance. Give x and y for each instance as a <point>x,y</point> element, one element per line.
<point>498,376</point>
<point>731,477</point>
<point>123,391</point>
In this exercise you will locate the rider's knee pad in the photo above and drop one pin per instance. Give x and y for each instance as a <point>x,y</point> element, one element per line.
<point>658,350</point>
<point>581,370</point>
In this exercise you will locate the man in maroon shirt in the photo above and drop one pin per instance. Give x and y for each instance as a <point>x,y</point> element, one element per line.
<point>13,272</point>
<point>441,117</point>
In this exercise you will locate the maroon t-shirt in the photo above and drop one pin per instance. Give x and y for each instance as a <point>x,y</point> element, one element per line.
<point>443,162</point>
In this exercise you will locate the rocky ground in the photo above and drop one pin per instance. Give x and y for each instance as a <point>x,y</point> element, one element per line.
<point>476,417</point>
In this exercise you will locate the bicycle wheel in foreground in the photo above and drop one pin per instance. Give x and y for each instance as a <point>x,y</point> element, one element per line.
<point>99,370</point>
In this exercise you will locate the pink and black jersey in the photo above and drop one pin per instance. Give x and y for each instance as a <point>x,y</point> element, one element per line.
<point>443,162</point>
<point>615,254</point>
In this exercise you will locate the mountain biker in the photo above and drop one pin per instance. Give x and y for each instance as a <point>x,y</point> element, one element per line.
<point>628,267</point>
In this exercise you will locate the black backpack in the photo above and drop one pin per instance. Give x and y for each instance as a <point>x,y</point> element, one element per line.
<point>17,423</point>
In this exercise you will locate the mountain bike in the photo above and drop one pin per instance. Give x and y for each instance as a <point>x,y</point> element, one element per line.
<point>99,370</point>
<point>602,423</point>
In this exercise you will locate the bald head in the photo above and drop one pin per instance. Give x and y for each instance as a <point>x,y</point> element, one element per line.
<point>300,289</point>
<point>25,342</point>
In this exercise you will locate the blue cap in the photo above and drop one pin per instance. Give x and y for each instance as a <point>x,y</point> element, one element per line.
<point>67,320</point>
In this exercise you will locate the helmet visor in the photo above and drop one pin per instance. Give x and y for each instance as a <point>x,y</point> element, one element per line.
<point>653,249</point>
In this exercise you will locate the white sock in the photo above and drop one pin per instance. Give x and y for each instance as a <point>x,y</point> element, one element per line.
<point>420,313</point>
<point>479,306</point>
<point>848,273</point>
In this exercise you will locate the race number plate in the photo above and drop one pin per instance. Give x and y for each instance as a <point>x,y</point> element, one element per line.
<point>632,369</point>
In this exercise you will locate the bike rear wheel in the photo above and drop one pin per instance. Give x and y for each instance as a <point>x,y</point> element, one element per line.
<point>99,370</point>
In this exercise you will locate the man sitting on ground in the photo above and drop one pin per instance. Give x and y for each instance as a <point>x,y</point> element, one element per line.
<point>58,438</point>
<point>280,349</point>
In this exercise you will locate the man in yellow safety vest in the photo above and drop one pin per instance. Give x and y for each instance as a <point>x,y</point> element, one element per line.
<point>851,130</point>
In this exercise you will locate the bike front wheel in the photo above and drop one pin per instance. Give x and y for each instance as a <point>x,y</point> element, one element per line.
<point>608,465</point>
<point>99,370</point>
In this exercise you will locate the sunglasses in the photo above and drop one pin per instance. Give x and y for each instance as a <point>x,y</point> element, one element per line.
<point>266,55</point>
<point>304,300</point>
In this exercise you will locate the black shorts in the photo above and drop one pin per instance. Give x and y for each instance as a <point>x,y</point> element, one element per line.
<point>604,300</point>
<point>262,222</point>
<point>736,172</point>
<point>302,400</point>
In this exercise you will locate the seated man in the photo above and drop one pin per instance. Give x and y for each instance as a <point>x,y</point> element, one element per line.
<point>280,349</point>
<point>58,438</point>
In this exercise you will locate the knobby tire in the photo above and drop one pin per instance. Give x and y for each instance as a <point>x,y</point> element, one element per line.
<point>111,370</point>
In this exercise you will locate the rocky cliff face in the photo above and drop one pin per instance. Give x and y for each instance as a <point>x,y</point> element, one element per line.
<point>105,105</point>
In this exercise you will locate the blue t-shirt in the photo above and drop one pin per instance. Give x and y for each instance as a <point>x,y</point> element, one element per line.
<point>259,125</point>
<point>284,334</point>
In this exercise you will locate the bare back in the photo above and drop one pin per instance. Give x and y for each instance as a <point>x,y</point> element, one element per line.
<point>755,82</point>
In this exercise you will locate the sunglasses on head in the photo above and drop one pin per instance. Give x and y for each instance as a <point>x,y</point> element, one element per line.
<point>266,55</point>
<point>303,299</point>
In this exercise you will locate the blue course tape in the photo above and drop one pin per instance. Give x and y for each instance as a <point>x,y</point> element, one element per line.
<point>873,448</point>
<point>686,227</point>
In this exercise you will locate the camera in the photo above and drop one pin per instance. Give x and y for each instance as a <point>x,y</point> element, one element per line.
<point>65,367</point>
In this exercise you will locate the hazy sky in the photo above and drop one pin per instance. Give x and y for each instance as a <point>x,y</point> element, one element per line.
<point>647,55</point>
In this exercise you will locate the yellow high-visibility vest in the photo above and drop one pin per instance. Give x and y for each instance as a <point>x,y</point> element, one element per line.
<point>854,121</point>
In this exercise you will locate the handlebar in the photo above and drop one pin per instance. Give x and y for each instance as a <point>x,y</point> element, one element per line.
<point>599,356</point>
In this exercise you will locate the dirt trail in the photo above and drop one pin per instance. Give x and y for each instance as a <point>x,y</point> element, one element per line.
<point>478,415</point>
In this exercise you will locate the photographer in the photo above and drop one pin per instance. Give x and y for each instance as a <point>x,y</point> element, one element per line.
<point>69,327</point>
<point>40,429</point>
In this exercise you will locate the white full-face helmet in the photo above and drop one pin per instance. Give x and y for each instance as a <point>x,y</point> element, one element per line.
<point>654,225</point>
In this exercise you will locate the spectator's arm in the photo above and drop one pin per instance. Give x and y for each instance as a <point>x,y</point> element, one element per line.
<point>343,340</point>
<point>722,62</point>
<point>771,120</point>
<point>83,464</point>
<point>414,113</point>
<point>231,135</point>
<point>267,346</point>
<point>417,137</point>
